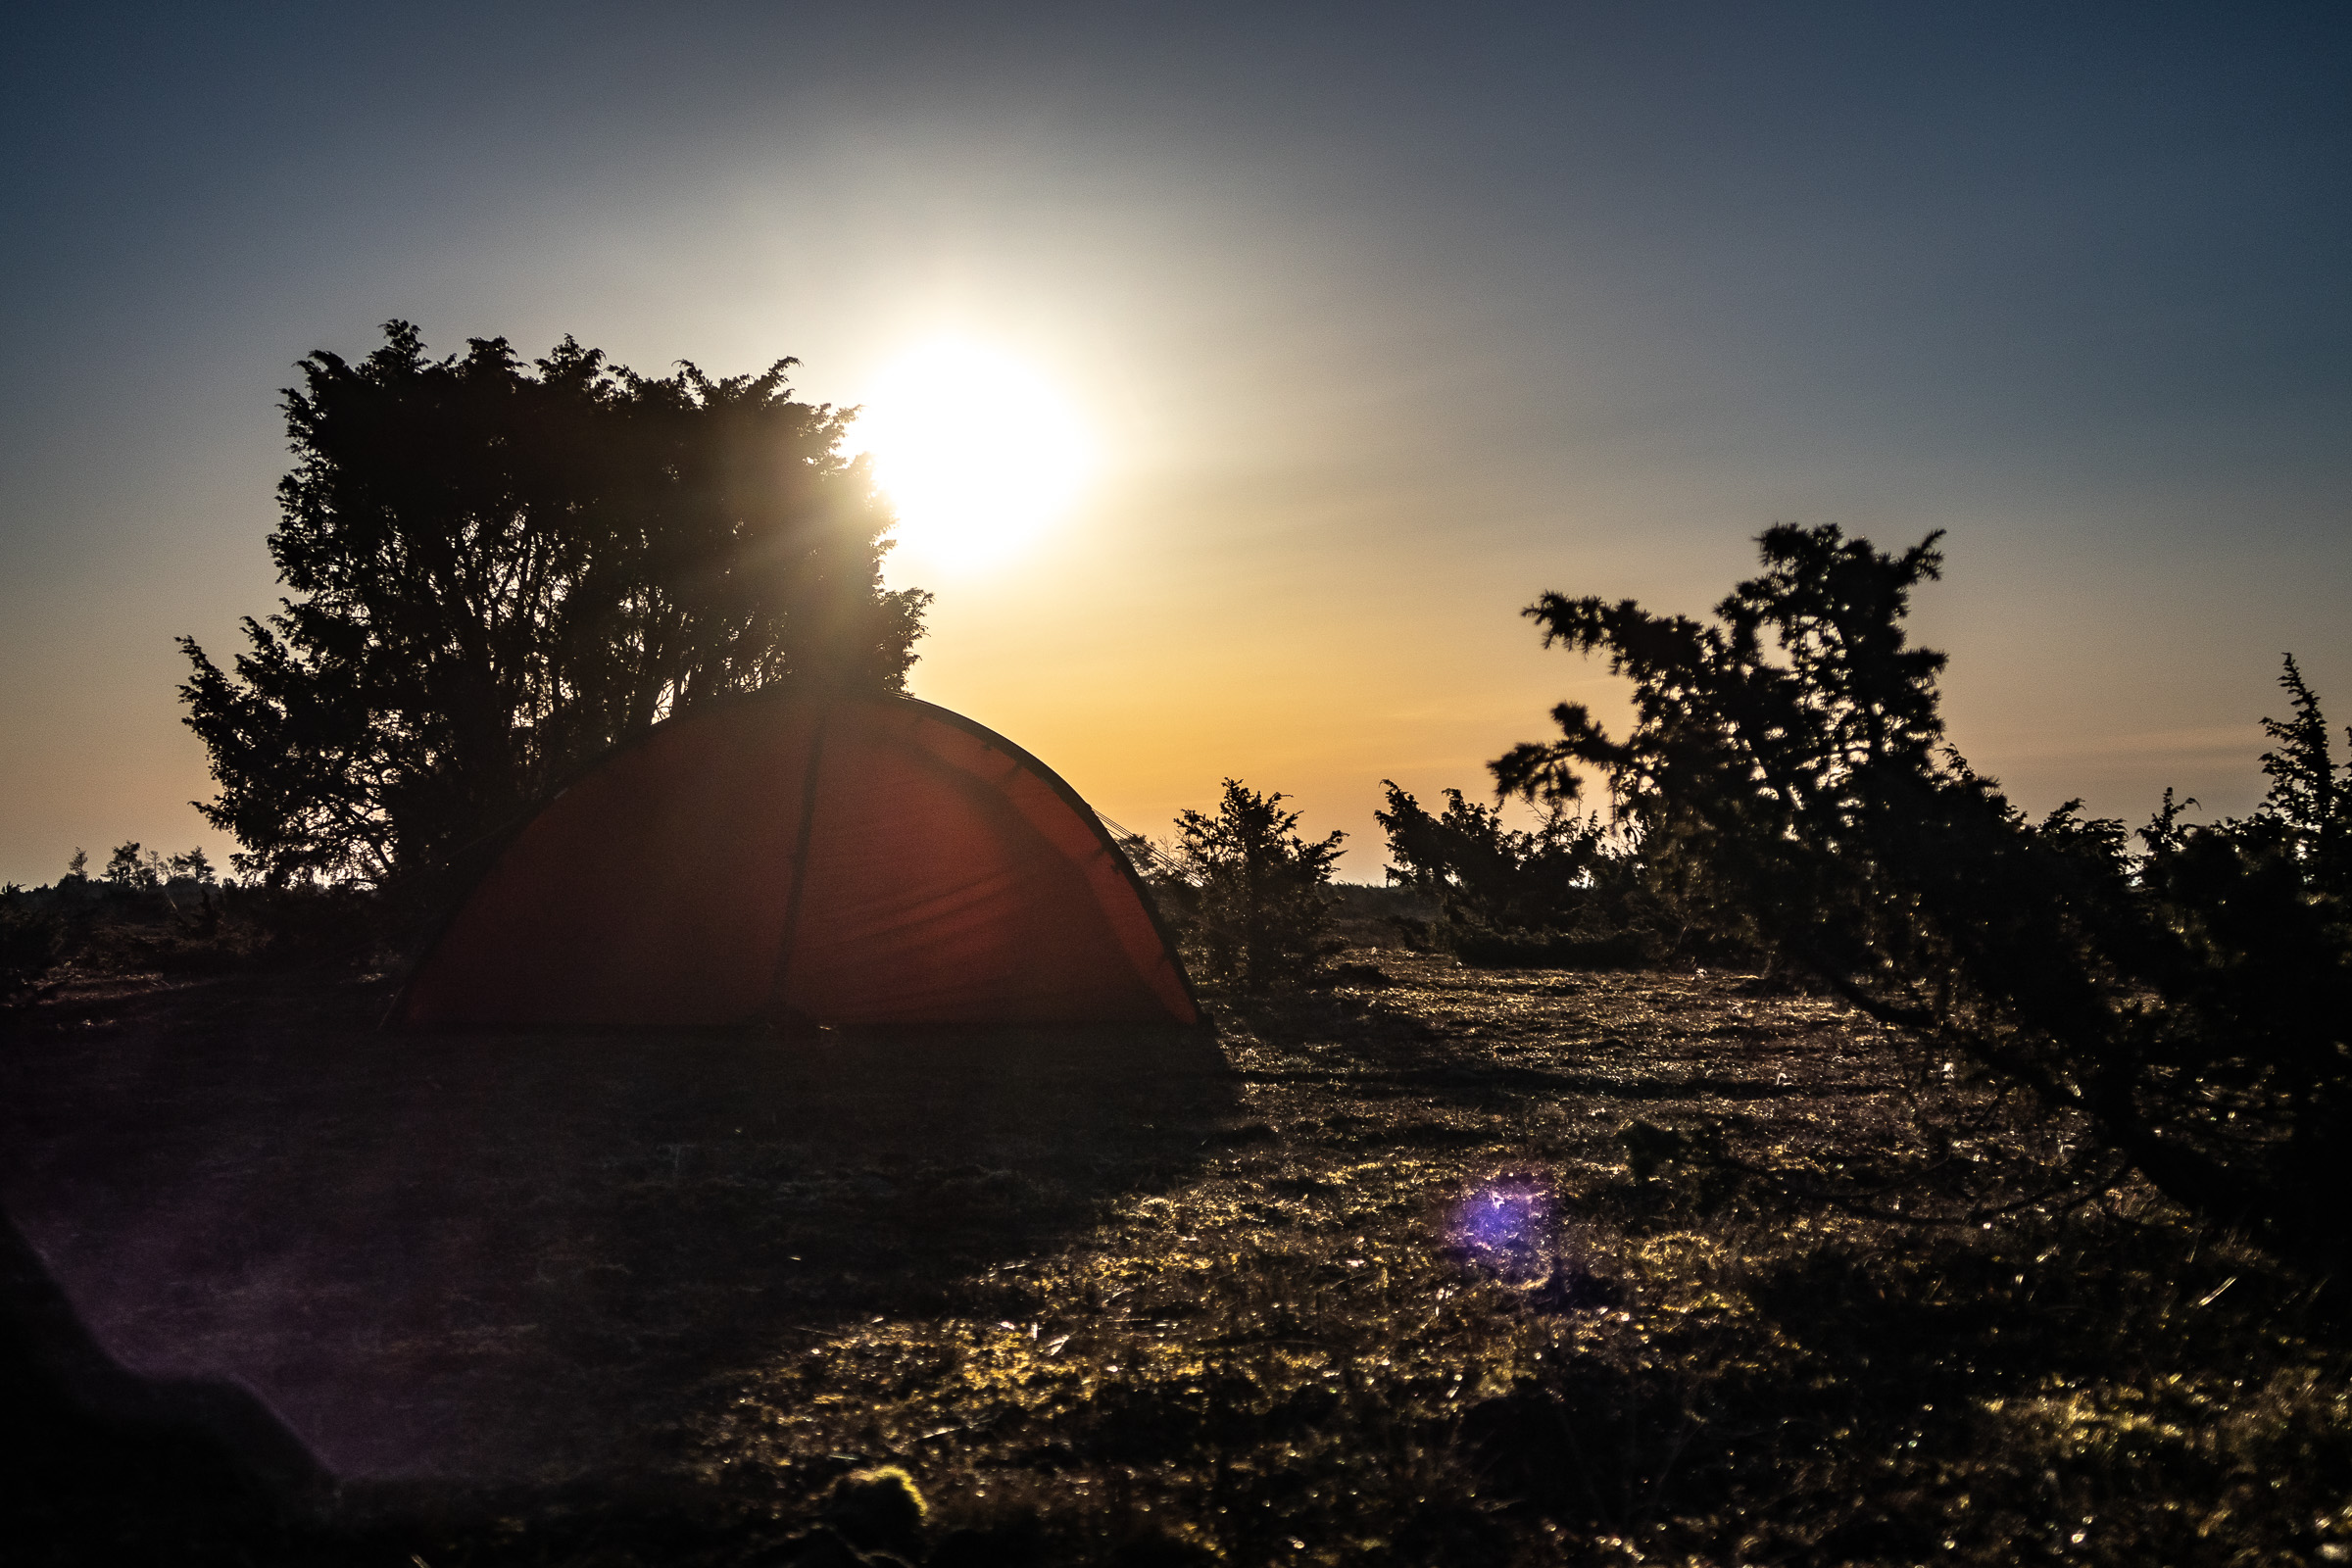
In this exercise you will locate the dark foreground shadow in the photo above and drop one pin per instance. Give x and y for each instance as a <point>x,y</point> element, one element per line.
<point>499,1258</point>
<point>109,1466</point>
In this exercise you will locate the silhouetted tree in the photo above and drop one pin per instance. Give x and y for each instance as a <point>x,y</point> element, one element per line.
<point>1244,890</point>
<point>195,865</point>
<point>127,870</point>
<point>2312,807</point>
<point>2193,1002</point>
<point>499,571</point>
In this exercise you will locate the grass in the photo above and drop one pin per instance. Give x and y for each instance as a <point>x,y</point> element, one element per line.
<point>1443,1266</point>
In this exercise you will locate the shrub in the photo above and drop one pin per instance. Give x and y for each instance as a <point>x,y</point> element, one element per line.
<point>31,941</point>
<point>1244,892</point>
<point>1572,891</point>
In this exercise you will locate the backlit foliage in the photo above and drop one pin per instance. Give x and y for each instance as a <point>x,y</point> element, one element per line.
<point>2193,1002</point>
<point>1244,892</point>
<point>495,573</point>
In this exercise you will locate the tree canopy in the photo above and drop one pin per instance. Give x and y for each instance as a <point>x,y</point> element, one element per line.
<point>497,572</point>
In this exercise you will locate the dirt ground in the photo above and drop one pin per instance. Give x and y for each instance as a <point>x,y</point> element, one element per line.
<point>1437,1265</point>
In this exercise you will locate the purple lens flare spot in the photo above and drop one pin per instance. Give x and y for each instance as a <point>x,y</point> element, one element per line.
<point>1508,1223</point>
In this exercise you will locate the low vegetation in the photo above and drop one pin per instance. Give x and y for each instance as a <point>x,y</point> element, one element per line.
<point>1568,890</point>
<point>1435,1265</point>
<point>172,915</point>
<point>1607,1268</point>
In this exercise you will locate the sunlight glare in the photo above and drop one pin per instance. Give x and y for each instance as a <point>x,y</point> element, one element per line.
<point>976,449</point>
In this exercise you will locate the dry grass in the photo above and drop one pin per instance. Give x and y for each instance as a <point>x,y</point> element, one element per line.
<point>1465,1266</point>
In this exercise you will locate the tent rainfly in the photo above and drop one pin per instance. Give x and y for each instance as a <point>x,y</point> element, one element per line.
<point>785,859</point>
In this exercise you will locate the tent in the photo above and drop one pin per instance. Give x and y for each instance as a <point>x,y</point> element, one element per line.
<point>788,860</point>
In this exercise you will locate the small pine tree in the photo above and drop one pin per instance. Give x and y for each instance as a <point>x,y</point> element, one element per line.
<point>134,872</point>
<point>1246,892</point>
<point>195,865</point>
<point>2306,799</point>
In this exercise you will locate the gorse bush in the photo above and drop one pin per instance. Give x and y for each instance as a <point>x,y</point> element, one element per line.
<point>2191,1000</point>
<point>1243,891</point>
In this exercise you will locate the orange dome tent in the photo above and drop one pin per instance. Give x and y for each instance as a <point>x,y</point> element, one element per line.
<point>788,860</point>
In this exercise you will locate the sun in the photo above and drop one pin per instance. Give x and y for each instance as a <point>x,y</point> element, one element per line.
<point>978,451</point>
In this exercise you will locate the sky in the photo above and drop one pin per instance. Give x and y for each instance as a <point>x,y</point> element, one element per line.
<point>1377,321</point>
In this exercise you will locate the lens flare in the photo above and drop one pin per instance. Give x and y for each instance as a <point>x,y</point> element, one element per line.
<point>1509,1224</point>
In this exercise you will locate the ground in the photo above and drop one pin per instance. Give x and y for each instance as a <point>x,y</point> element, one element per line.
<point>1437,1265</point>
